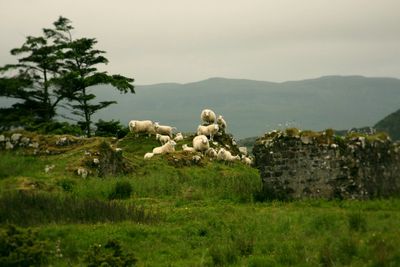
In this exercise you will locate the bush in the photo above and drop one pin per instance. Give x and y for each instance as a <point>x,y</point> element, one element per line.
<point>122,190</point>
<point>110,254</point>
<point>19,247</point>
<point>110,128</point>
<point>55,127</point>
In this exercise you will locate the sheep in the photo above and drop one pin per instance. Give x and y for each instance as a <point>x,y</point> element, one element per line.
<point>15,137</point>
<point>145,126</point>
<point>163,129</point>
<point>200,143</point>
<point>82,172</point>
<point>209,130</point>
<point>246,160</point>
<point>178,137</point>
<point>162,138</point>
<point>243,150</point>
<point>166,148</point>
<point>207,116</point>
<point>221,122</point>
<point>211,152</point>
<point>148,155</point>
<point>187,148</point>
<point>225,155</point>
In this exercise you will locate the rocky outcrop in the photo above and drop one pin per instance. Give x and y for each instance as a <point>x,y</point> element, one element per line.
<point>295,165</point>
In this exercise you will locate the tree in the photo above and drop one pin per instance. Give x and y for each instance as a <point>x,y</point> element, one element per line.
<point>31,81</point>
<point>80,75</point>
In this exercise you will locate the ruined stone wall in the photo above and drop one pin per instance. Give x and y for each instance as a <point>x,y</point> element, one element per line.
<point>320,165</point>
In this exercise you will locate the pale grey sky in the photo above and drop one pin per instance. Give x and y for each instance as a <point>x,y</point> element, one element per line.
<point>158,41</point>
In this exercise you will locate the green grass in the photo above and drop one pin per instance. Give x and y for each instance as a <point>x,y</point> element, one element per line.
<point>197,216</point>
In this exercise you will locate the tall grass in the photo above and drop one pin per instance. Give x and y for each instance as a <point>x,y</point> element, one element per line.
<point>27,208</point>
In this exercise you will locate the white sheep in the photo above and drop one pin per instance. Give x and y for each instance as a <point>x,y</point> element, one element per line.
<point>82,172</point>
<point>145,126</point>
<point>200,143</point>
<point>221,122</point>
<point>246,160</point>
<point>225,155</point>
<point>209,130</point>
<point>187,148</point>
<point>148,155</point>
<point>166,148</point>
<point>178,137</point>
<point>243,150</point>
<point>211,152</point>
<point>207,116</point>
<point>162,138</point>
<point>163,129</point>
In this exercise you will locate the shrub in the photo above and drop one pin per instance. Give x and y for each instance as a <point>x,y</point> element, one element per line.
<point>55,127</point>
<point>122,190</point>
<point>110,128</point>
<point>19,247</point>
<point>111,254</point>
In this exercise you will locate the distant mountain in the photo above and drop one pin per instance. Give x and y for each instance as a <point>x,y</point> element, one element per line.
<point>391,125</point>
<point>253,107</point>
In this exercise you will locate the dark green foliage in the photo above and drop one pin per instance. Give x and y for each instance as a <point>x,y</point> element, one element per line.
<point>80,74</point>
<point>122,190</point>
<point>110,128</point>
<point>66,184</point>
<point>111,254</point>
<point>55,127</point>
<point>32,79</point>
<point>29,208</point>
<point>20,247</point>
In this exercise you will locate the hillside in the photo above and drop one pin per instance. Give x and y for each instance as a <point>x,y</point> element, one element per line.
<point>253,107</point>
<point>391,125</point>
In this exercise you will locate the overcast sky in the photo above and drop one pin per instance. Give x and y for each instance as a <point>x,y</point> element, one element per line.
<point>158,41</point>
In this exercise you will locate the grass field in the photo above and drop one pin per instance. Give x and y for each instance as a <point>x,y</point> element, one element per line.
<point>173,215</point>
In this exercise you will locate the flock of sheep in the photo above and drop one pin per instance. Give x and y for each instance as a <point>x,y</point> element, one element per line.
<point>211,125</point>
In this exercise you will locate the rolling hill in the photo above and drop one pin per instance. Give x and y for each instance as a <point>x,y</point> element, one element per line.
<point>253,107</point>
<point>391,125</point>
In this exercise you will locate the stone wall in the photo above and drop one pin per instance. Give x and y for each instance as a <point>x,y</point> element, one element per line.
<point>296,164</point>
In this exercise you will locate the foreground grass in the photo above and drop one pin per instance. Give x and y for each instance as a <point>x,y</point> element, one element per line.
<point>264,234</point>
<point>190,216</point>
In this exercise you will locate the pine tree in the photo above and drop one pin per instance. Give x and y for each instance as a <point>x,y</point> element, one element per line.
<point>80,76</point>
<point>31,81</point>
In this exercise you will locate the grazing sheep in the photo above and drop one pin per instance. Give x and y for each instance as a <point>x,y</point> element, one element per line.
<point>221,122</point>
<point>196,159</point>
<point>211,152</point>
<point>225,155</point>
<point>9,146</point>
<point>207,116</point>
<point>148,155</point>
<point>246,160</point>
<point>200,143</point>
<point>178,137</point>
<point>187,148</point>
<point>15,137</point>
<point>162,138</point>
<point>163,129</point>
<point>82,172</point>
<point>145,126</point>
<point>243,150</point>
<point>209,130</point>
<point>166,148</point>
